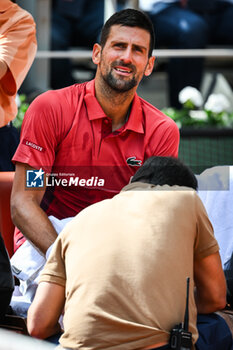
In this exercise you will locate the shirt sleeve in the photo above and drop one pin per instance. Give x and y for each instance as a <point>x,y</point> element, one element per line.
<point>165,140</point>
<point>205,243</point>
<point>54,270</point>
<point>42,130</point>
<point>18,47</point>
<point>170,141</point>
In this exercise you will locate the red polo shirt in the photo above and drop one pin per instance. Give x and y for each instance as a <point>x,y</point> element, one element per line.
<point>65,132</point>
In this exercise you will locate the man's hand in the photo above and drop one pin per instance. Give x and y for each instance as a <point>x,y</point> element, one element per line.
<point>210,284</point>
<point>45,310</point>
<point>27,214</point>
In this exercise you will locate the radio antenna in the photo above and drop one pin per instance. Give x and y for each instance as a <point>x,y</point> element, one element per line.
<point>186,315</point>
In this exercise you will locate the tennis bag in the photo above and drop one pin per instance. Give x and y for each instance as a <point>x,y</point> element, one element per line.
<point>6,280</point>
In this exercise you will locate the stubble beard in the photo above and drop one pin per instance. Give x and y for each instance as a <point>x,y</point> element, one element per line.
<point>119,85</point>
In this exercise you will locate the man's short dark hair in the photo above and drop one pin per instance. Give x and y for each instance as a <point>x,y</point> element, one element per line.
<point>129,18</point>
<point>165,171</point>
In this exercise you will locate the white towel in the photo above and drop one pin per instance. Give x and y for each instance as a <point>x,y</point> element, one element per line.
<point>27,262</point>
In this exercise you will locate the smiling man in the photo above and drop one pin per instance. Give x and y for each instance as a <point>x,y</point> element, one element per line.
<point>123,58</point>
<point>99,129</point>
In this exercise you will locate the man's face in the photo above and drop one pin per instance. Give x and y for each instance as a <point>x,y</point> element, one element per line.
<point>124,59</point>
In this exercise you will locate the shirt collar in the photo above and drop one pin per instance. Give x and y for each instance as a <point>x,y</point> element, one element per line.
<point>134,122</point>
<point>143,186</point>
<point>138,186</point>
<point>95,111</point>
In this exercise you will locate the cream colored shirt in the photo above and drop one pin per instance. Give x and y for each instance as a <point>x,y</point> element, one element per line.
<point>124,262</point>
<point>17,49</point>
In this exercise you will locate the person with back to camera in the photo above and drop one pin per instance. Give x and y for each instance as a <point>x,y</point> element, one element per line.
<point>189,24</point>
<point>119,268</point>
<point>99,131</point>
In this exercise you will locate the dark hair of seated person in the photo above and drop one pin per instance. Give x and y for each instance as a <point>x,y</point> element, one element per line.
<point>165,171</point>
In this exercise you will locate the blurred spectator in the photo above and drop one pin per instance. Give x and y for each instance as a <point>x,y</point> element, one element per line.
<point>189,24</point>
<point>74,23</point>
<point>17,51</point>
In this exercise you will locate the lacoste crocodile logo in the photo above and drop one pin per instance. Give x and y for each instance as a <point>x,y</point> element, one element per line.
<point>133,161</point>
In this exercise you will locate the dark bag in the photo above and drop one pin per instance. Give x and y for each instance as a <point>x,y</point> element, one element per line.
<point>228,270</point>
<point>6,280</point>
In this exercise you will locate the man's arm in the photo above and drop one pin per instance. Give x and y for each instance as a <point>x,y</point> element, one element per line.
<point>19,45</point>
<point>27,214</point>
<point>3,69</point>
<point>45,310</point>
<point>210,284</point>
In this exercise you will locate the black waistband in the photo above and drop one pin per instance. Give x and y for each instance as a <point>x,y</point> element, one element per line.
<point>6,127</point>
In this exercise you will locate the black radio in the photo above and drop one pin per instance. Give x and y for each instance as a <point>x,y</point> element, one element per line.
<point>181,338</point>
